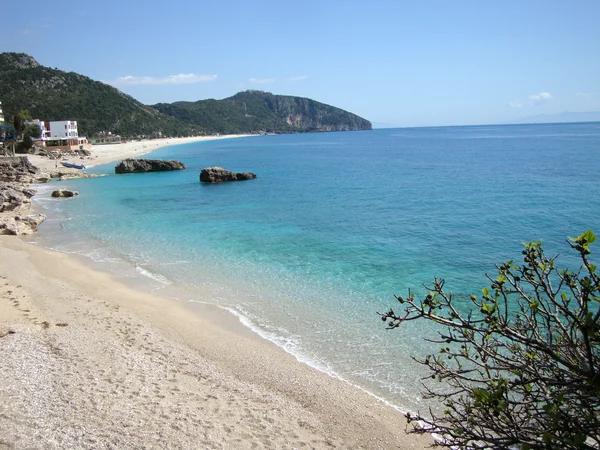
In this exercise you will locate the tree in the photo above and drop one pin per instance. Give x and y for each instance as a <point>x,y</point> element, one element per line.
<point>521,369</point>
<point>20,121</point>
<point>7,134</point>
<point>32,131</point>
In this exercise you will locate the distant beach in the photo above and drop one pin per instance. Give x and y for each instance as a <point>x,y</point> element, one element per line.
<point>105,153</point>
<point>89,362</point>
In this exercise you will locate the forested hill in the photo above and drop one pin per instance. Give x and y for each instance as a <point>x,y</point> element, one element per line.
<point>257,111</point>
<point>52,94</point>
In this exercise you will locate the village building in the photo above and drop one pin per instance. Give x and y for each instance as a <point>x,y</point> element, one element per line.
<point>61,134</point>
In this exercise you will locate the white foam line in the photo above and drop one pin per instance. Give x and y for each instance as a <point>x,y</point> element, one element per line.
<point>244,320</point>
<point>154,276</point>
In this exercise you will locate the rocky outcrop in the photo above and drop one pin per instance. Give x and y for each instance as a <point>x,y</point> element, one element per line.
<point>218,174</point>
<point>15,197</point>
<point>132,165</point>
<point>11,61</point>
<point>20,225</point>
<point>19,169</point>
<point>15,200</point>
<point>72,176</point>
<point>64,193</point>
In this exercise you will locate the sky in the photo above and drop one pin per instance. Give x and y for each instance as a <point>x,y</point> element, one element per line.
<point>396,63</point>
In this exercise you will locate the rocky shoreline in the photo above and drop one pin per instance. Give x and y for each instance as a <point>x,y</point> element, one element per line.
<point>17,175</point>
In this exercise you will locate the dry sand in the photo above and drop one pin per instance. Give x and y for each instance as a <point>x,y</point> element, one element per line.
<point>87,362</point>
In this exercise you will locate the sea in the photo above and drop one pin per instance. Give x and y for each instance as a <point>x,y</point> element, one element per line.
<point>336,225</point>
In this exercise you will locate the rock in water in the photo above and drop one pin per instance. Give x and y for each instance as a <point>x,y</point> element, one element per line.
<point>218,174</point>
<point>132,165</point>
<point>65,193</point>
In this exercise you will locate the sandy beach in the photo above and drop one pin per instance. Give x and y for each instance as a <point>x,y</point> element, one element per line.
<point>102,154</point>
<point>88,362</point>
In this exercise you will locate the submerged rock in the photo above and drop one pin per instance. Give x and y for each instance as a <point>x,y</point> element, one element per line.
<point>72,176</point>
<point>132,165</point>
<point>218,174</point>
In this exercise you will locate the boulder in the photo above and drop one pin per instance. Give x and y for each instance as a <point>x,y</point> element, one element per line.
<point>218,174</point>
<point>14,197</point>
<point>132,165</point>
<point>19,226</point>
<point>64,193</point>
<point>42,177</point>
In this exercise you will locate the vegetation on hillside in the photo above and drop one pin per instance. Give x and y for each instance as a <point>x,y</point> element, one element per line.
<point>257,111</point>
<point>52,94</point>
<point>521,369</point>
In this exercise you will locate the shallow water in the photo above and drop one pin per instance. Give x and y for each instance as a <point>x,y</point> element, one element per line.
<point>334,225</point>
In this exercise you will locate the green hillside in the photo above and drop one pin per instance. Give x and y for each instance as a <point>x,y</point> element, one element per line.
<point>257,111</point>
<point>51,94</point>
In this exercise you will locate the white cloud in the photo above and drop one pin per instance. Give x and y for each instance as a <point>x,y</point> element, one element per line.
<point>300,78</point>
<point>182,78</point>
<point>584,94</point>
<point>515,104</point>
<point>262,80</point>
<point>538,99</point>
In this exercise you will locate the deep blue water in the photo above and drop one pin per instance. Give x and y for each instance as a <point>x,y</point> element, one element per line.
<point>335,224</point>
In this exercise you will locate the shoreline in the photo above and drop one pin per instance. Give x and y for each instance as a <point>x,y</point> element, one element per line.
<point>88,352</point>
<point>121,367</point>
<point>105,153</point>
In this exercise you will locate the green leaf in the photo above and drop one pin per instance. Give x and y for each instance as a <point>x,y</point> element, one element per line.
<point>589,236</point>
<point>534,305</point>
<point>584,239</point>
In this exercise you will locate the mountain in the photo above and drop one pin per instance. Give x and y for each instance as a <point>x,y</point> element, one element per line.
<point>590,116</point>
<point>52,94</point>
<point>257,111</point>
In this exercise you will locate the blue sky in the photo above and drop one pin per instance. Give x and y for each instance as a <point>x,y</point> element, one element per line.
<point>400,63</point>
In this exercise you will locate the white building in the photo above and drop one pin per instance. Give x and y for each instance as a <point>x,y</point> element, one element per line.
<point>1,115</point>
<point>63,129</point>
<point>61,133</point>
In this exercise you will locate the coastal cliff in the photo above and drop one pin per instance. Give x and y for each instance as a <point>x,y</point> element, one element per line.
<point>257,111</point>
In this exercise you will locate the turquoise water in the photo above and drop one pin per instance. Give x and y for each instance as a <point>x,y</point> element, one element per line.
<point>334,225</point>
